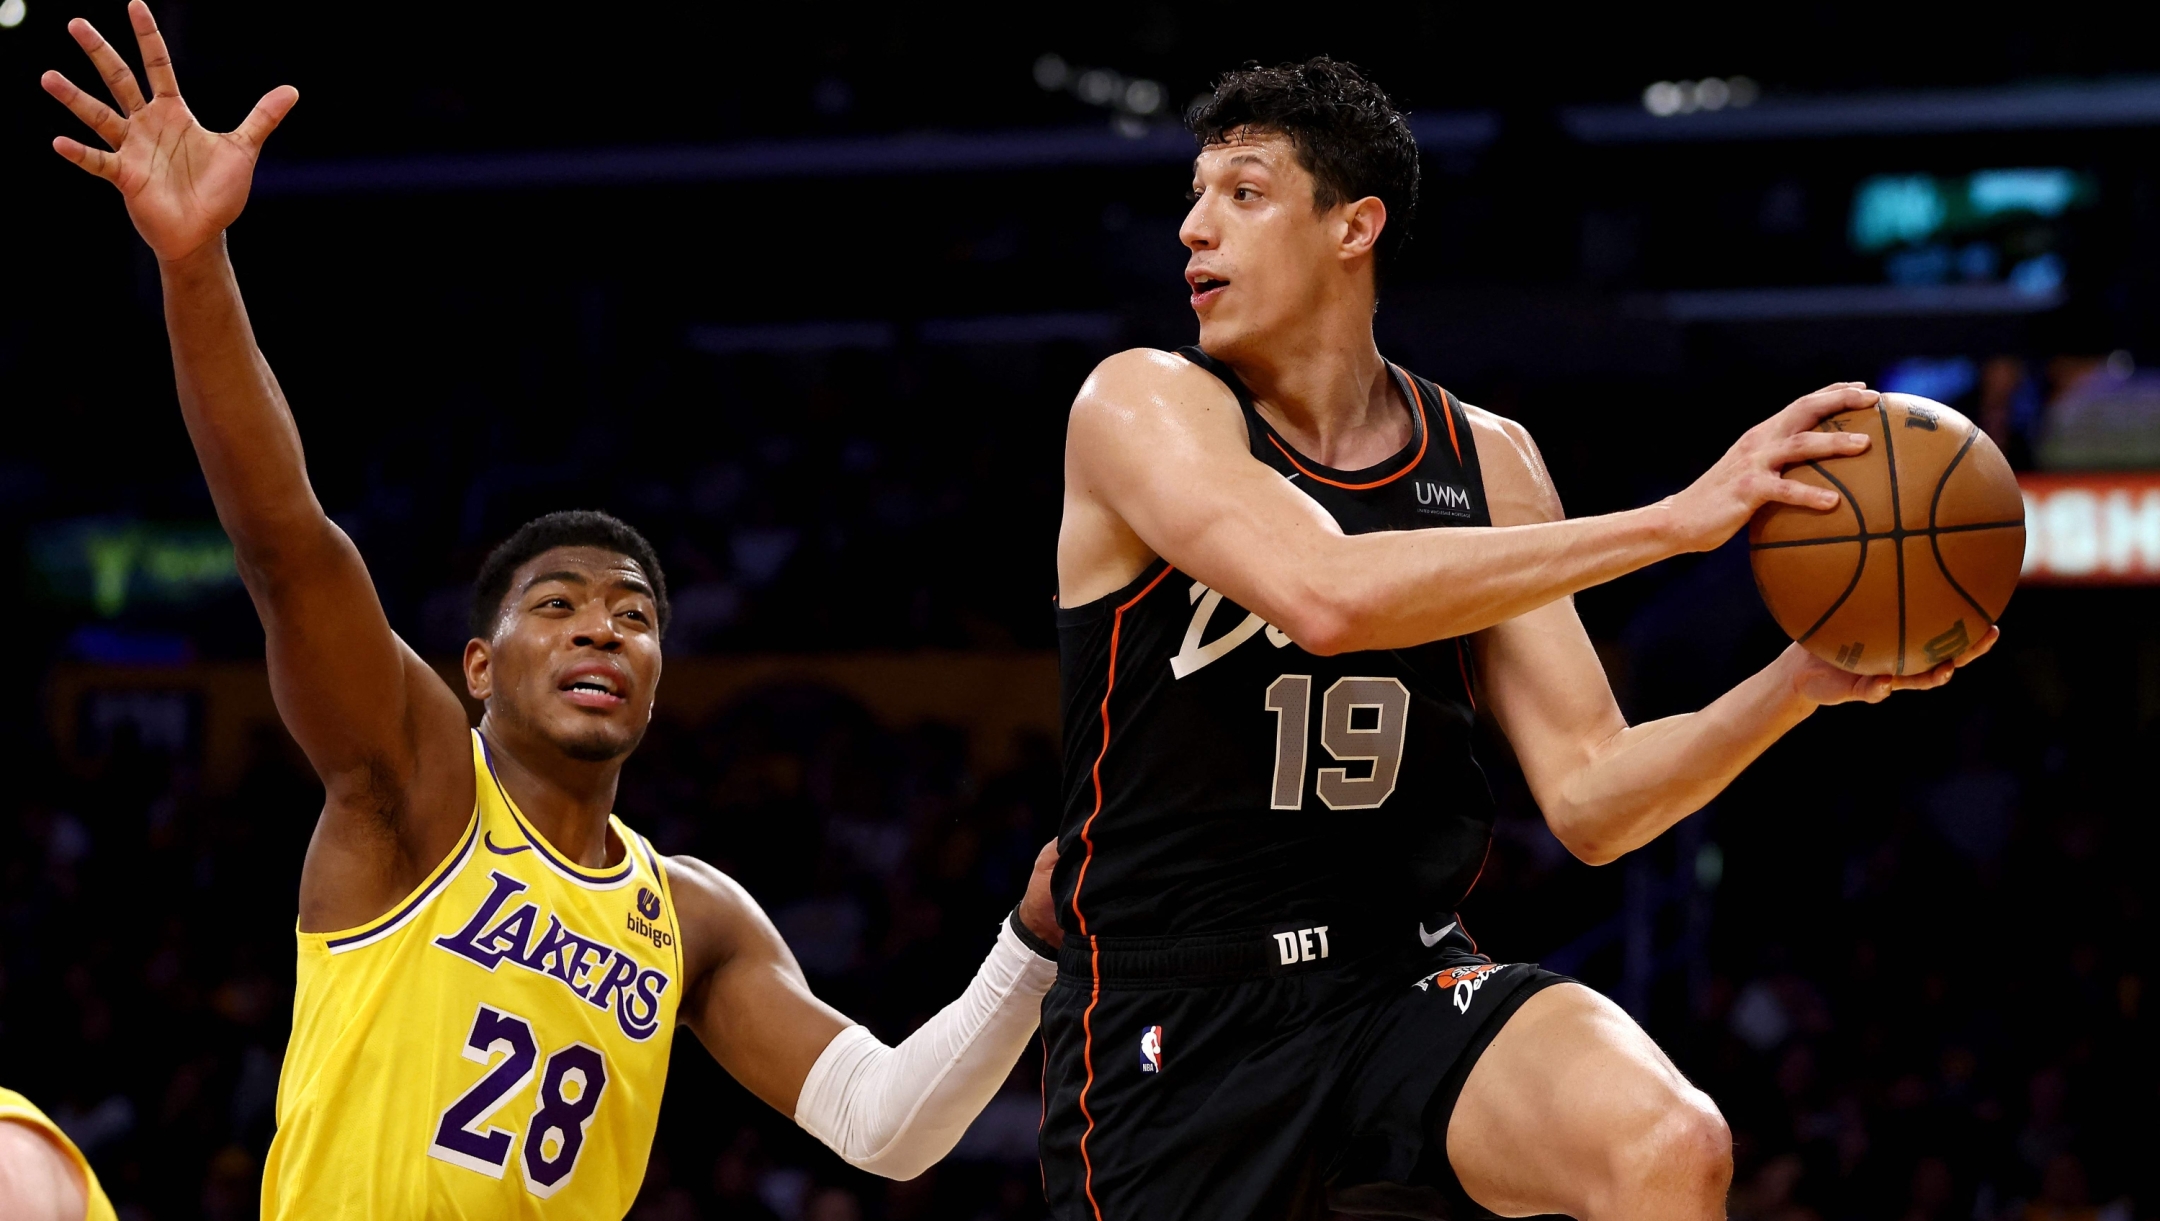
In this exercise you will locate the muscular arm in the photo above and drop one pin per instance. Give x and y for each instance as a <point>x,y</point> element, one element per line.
<point>1158,463</point>
<point>747,1001</point>
<point>382,731</point>
<point>1607,787</point>
<point>890,1110</point>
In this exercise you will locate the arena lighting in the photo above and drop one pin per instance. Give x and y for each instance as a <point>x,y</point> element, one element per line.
<point>2123,102</point>
<point>1665,99</point>
<point>12,13</point>
<point>2092,528</point>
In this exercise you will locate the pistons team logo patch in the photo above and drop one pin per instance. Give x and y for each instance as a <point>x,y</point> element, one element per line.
<point>1151,1049</point>
<point>1464,982</point>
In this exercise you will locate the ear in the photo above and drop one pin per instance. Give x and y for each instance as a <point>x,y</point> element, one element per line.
<point>1362,224</point>
<point>479,669</point>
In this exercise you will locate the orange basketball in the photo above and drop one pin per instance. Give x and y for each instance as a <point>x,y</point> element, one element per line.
<point>1919,557</point>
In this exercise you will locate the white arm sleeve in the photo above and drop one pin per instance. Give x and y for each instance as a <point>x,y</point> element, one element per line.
<point>895,1111</point>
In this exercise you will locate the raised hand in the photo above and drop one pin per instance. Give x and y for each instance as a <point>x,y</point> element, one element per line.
<point>1752,472</point>
<point>182,182</point>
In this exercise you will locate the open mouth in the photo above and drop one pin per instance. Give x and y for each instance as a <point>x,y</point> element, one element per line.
<point>591,690</point>
<point>1203,285</point>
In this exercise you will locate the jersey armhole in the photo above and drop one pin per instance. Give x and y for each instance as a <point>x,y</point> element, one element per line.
<point>658,865</point>
<point>402,912</point>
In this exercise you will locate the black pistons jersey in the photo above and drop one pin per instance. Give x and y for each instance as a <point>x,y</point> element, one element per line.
<point>1218,777</point>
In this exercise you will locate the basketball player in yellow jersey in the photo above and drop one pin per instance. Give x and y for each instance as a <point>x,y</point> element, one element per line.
<point>43,1176</point>
<point>491,966</point>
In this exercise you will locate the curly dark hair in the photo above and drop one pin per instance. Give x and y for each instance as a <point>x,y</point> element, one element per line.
<point>566,528</point>
<point>1347,134</point>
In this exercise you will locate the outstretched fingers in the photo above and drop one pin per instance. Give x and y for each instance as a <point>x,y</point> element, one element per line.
<point>1815,446</point>
<point>99,117</point>
<point>111,68</point>
<point>157,61</point>
<point>268,113</point>
<point>1809,410</point>
<point>1804,495</point>
<point>105,165</point>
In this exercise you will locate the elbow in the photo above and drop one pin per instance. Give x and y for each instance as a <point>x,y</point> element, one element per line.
<point>899,1169</point>
<point>265,551</point>
<point>1590,851</point>
<point>1326,622</point>
<point>1321,635</point>
<point>1587,839</point>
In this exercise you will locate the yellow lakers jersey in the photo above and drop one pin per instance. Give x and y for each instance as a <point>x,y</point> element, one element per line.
<point>493,1047</point>
<point>16,1108</point>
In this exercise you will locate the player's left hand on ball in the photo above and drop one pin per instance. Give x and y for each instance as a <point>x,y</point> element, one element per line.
<point>1037,910</point>
<point>1823,683</point>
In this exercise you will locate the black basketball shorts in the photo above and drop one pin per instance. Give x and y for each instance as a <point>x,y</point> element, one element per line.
<point>1278,1074</point>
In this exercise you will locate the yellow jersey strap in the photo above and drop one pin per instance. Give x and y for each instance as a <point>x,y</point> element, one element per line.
<point>17,1109</point>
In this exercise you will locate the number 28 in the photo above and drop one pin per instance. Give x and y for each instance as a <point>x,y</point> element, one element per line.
<point>570,1087</point>
<point>1362,720</point>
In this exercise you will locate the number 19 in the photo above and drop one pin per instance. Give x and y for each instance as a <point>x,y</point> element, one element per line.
<point>1362,720</point>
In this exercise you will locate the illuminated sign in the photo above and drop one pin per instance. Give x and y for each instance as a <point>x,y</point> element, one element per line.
<point>2092,528</point>
<point>1896,209</point>
<point>111,564</point>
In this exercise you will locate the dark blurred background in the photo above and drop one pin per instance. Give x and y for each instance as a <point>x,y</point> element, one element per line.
<point>804,296</point>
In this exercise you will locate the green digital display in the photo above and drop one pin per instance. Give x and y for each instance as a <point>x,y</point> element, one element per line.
<point>1909,209</point>
<point>112,564</point>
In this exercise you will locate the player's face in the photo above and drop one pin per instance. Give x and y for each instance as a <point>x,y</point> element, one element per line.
<point>1262,256</point>
<point>575,657</point>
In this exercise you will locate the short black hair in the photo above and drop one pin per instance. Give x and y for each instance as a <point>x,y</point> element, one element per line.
<point>567,528</point>
<point>1346,132</point>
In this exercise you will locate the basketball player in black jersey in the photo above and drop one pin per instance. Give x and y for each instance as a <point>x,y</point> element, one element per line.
<point>1288,572</point>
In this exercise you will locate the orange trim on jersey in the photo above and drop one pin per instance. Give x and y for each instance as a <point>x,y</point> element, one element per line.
<point>1424,439</point>
<point>1462,663</point>
<point>1087,1019</point>
<point>1087,1056</point>
<point>1449,416</point>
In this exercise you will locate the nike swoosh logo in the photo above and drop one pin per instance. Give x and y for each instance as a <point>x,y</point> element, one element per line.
<point>488,838</point>
<point>1430,939</point>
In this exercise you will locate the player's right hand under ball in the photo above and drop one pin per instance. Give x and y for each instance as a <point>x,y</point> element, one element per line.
<point>1752,472</point>
<point>1819,682</point>
<point>183,183</point>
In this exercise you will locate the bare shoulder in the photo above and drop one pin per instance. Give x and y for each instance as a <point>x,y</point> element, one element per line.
<point>36,1178</point>
<point>703,892</point>
<point>1147,391</point>
<point>1518,489</point>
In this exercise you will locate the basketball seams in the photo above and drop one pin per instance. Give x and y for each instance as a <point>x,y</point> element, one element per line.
<point>1972,433</point>
<point>1897,525</point>
<point>1967,528</point>
<point>1983,505</point>
<point>1860,520</point>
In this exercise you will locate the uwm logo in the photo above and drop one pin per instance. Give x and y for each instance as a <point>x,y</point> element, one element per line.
<point>1441,498</point>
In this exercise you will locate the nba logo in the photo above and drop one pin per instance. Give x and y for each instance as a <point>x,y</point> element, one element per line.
<point>1151,1049</point>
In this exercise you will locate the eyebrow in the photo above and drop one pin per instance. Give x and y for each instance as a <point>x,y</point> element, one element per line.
<point>633,584</point>
<point>1248,158</point>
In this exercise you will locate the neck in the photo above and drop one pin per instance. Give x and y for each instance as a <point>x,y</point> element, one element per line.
<point>1325,388</point>
<point>567,800</point>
